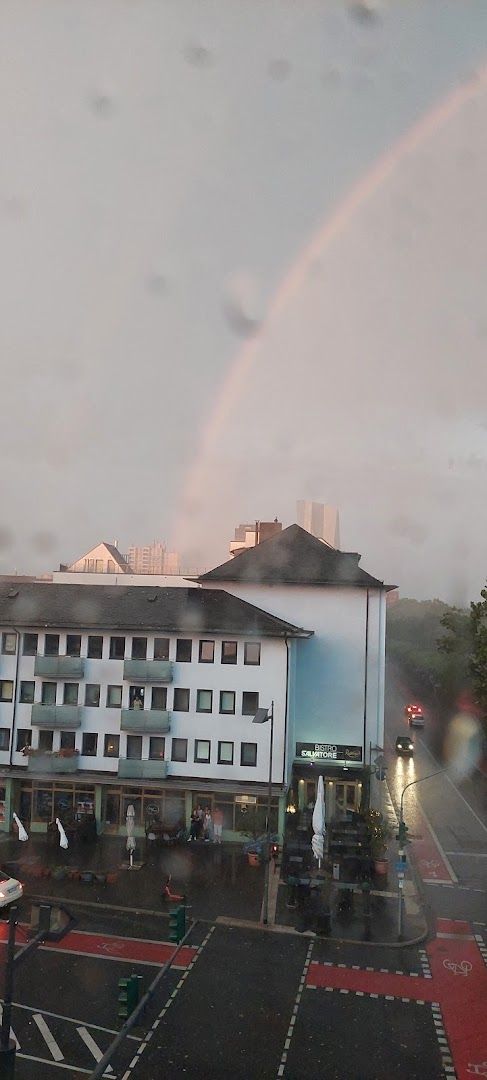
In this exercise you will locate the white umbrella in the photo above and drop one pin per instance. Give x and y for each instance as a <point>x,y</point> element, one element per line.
<point>63,840</point>
<point>23,835</point>
<point>319,823</point>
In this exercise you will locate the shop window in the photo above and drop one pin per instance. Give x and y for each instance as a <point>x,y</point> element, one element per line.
<point>179,750</point>
<point>114,697</point>
<point>117,648</point>
<point>229,652</point>
<point>71,691</point>
<point>156,748</point>
<point>29,644</point>
<point>95,646</point>
<point>48,693</point>
<point>68,740</point>
<point>63,802</point>
<point>9,643</point>
<point>174,813</point>
<point>134,800</point>
<point>252,653</point>
<point>161,648</point>
<point>73,645</point>
<point>181,699</point>
<point>159,698</point>
<point>204,701</point>
<point>202,751</point>
<point>136,697</point>
<point>112,746</point>
<point>207,652</point>
<point>227,701</point>
<point>92,695</point>
<point>225,753</point>
<point>139,648</point>
<point>27,690</point>
<point>4,738</point>
<point>248,753</point>
<point>45,740</point>
<point>24,738</point>
<point>184,650</point>
<point>6,690</point>
<point>134,747</point>
<point>250,703</point>
<point>89,744</point>
<point>112,808</point>
<point>51,645</point>
<point>42,809</point>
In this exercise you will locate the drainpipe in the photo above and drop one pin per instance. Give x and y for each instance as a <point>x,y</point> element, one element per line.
<point>366,674</point>
<point>284,756</point>
<point>14,705</point>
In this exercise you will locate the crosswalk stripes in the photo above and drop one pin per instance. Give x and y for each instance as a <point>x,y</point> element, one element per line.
<point>50,1041</point>
<point>94,1049</point>
<point>48,1037</point>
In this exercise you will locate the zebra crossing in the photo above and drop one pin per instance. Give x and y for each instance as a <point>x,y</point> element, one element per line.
<point>57,1040</point>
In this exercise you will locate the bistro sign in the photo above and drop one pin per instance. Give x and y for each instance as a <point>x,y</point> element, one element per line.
<point>327,752</point>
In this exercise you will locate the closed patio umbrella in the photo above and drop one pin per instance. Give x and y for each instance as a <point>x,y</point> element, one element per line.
<point>319,823</point>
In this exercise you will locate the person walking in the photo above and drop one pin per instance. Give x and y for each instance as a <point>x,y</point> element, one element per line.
<point>208,825</point>
<point>217,824</point>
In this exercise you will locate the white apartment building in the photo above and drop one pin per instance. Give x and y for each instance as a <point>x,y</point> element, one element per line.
<point>118,695</point>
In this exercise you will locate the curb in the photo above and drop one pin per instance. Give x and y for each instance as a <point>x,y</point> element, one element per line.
<point>278,928</point>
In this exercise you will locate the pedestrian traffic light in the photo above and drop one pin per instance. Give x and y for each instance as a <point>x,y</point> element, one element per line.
<point>402,835</point>
<point>177,924</point>
<point>128,998</point>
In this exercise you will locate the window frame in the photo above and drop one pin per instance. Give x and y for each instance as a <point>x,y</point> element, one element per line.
<point>246,711</point>
<point>252,663</point>
<point>47,650</point>
<point>180,760</point>
<point>72,740</point>
<point>199,759</point>
<point>201,658</point>
<point>199,709</point>
<point>227,712</point>
<point>130,743</point>
<point>5,682</point>
<point>67,686</point>
<point>44,734</point>
<point>157,757</point>
<point>71,638</point>
<point>5,731</point>
<point>6,634</point>
<point>156,648</point>
<point>159,690</point>
<point>92,652</point>
<point>45,683</point>
<point>184,659</point>
<point>177,690</point>
<point>229,660</point>
<point>248,764</point>
<point>138,638</point>
<point>225,742</point>
<point>110,704</point>
<point>30,651</point>
<point>116,738</point>
<point>91,704</point>
<point>112,648</point>
<point>27,700</point>
<point>26,739</point>
<point>90,735</point>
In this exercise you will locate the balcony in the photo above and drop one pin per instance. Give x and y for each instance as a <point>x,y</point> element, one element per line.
<point>56,717</point>
<point>148,671</point>
<point>59,667</point>
<point>136,769</point>
<point>145,721</point>
<point>52,764</point>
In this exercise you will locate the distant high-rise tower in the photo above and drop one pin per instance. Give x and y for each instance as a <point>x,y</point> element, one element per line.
<point>249,535</point>
<point>320,520</point>
<point>152,559</point>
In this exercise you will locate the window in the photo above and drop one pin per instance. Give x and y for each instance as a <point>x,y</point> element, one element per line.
<point>161,648</point>
<point>95,646</point>
<point>229,652</point>
<point>181,700</point>
<point>9,643</point>
<point>114,697</point>
<point>204,700</point>
<point>4,738</point>
<point>90,740</point>
<point>139,648</point>
<point>29,647</point>
<point>117,648</point>
<point>250,703</point>
<point>225,753</point>
<point>6,690</point>
<point>45,740</point>
<point>136,697</point>
<point>68,740</point>
<point>134,747</point>
<point>24,737</point>
<point>159,698</point>
<point>252,652</point>
<point>71,691</point>
<point>184,650</point>
<point>248,753</point>
<point>112,744</point>
<point>227,701</point>
<point>27,692</point>
<point>92,695</point>
<point>48,694</point>
<point>156,748</point>
<point>202,751</point>
<point>207,652</point>
<point>51,645</point>
<point>179,750</point>
<point>73,645</point>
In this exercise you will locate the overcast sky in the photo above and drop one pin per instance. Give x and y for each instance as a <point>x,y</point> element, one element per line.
<point>176,357</point>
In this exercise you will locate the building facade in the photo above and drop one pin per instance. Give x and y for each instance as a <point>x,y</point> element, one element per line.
<point>321,520</point>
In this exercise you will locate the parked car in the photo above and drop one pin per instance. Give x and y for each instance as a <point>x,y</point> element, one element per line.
<point>11,890</point>
<point>404,745</point>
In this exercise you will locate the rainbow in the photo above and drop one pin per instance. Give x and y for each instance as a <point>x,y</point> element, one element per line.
<point>341,218</point>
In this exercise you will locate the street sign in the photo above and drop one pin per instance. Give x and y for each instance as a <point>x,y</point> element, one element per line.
<point>400,866</point>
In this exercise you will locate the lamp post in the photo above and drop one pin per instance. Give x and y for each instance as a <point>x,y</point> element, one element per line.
<point>261,717</point>
<point>403,840</point>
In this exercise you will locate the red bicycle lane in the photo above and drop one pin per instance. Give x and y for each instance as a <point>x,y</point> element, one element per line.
<point>111,947</point>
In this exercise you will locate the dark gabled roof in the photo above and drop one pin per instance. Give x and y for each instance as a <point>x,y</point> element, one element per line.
<point>117,557</point>
<point>133,607</point>
<point>294,557</point>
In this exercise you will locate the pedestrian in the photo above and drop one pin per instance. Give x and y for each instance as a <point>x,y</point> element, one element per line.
<point>195,826</point>
<point>217,824</point>
<point>208,825</point>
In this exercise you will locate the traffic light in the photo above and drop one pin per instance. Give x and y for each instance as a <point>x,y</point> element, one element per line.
<point>402,835</point>
<point>128,998</point>
<point>380,772</point>
<point>177,924</point>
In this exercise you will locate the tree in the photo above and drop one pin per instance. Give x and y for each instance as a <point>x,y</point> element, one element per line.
<point>478,659</point>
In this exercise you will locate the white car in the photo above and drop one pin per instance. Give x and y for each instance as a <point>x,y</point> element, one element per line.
<point>10,890</point>
<point>416,719</point>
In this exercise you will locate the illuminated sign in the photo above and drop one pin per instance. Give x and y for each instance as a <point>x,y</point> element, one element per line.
<point>327,752</point>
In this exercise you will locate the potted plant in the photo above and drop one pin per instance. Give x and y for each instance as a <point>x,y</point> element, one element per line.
<point>379,834</point>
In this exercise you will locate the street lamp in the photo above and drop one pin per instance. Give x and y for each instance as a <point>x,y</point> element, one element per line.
<point>261,717</point>
<point>402,835</point>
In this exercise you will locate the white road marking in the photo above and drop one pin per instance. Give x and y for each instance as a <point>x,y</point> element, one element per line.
<point>454,786</point>
<point>48,1036</point>
<point>71,1020</point>
<point>12,1032</point>
<point>56,1064</point>
<point>470,854</point>
<point>92,1047</point>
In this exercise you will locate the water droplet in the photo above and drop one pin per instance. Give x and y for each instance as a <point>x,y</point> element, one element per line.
<point>156,283</point>
<point>43,541</point>
<point>241,305</point>
<point>102,103</point>
<point>279,69</point>
<point>197,54</point>
<point>6,539</point>
<point>365,11</point>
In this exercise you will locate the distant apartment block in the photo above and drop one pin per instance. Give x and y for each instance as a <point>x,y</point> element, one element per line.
<point>320,520</point>
<point>249,535</point>
<point>153,559</point>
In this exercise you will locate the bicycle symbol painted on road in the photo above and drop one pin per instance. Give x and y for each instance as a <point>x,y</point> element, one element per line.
<point>112,948</point>
<point>430,864</point>
<point>463,968</point>
<point>477,1070</point>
